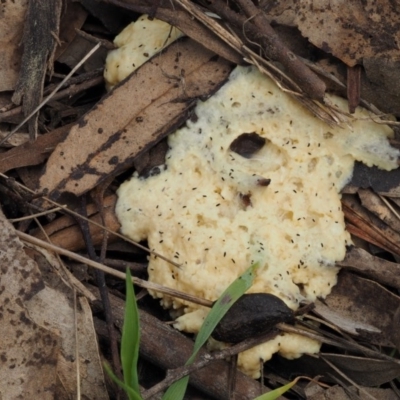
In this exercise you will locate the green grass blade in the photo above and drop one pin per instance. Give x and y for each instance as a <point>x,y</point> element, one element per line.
<point>132,394</point>
<point>274,394</point>
<point>130,337</point>
<point>234,291</point>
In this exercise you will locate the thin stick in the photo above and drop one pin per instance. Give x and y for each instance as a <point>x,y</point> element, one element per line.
<point>31,216</point>
<point>49,97</point>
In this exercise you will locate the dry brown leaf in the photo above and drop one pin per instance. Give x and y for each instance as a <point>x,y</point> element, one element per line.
<point>53,307</point>
<point>383,271</point>
<point>78,49</point>
<point>365,302</point>
<point>146,107</point>
<point>72,18</point>
<point>28,350</point>
<point>358,31</point>
<point>11,27</point>
<point>365,33</point>
<point>345,323</point>
<point>33,153</point>
<point>365,371</point>
<point>37,346</point>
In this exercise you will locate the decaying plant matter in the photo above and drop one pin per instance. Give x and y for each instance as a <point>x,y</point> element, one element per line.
<point>82,142</point>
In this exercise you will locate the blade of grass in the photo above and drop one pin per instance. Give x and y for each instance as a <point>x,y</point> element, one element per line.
<point>130,337</point>
<point>234,291</point>
<point>274,394</point>
<point>132,394</point>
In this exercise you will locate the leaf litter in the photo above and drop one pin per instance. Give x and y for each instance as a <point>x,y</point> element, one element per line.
<point>368,306</point>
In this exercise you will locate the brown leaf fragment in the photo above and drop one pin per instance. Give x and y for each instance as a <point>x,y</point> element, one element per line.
<point>345,324</point>
<point>53,308</point>
<point>78,49</point>
<point>360,30</point>
<point>382,271</point>
<point>39,41</point>
<point>28,351</point>
<point>365,302</point>
<point>137,114</point>
<point>72,18</point>
<point>365,371</point>
<point>247,144</point>
<point>32,153</point>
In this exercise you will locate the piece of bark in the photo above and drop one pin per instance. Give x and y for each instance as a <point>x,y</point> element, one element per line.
<point>168,349</point>
<point>39,41</point>
<point>137,114</point>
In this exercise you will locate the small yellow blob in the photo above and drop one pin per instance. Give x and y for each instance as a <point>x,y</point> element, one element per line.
<point>137,43</point>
